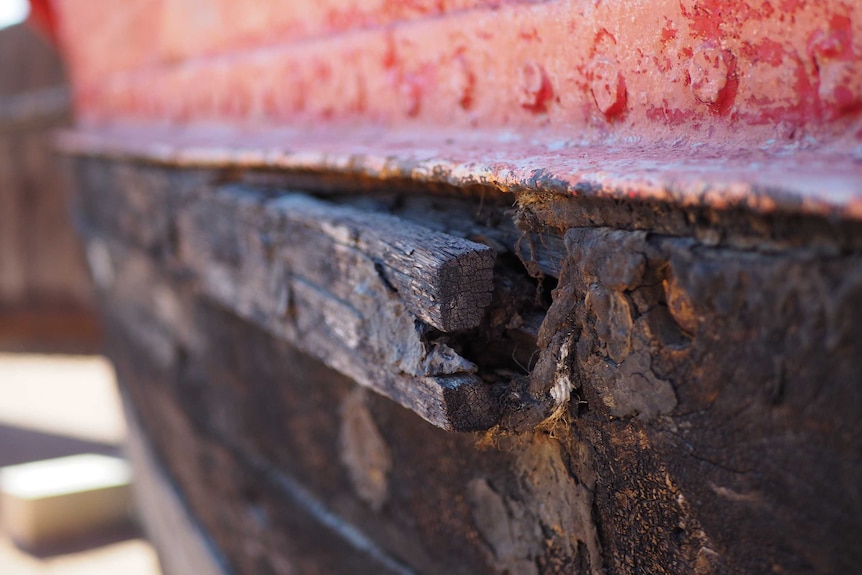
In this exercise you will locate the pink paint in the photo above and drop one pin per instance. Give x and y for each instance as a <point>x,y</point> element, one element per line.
<point>461,64</point>
<point>734,75</point>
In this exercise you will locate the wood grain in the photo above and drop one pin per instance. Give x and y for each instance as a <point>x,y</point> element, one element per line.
<point>444,280</point>
<point>323,277</point>
<point>711,423</point>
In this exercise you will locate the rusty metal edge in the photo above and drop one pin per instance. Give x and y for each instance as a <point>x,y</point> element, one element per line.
<point>821,181</point>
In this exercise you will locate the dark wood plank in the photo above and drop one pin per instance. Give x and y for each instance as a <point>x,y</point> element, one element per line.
<point>372,339</point>
<point>444,280</point>
<point>693,406</point>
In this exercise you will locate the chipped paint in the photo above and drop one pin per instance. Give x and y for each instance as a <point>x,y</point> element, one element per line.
<point>724,103</point>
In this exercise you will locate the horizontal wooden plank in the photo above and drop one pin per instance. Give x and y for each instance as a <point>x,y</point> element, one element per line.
<point>38,109</point>
<point>182,544</point>
<point>444,280</point>
<point>330,299</point>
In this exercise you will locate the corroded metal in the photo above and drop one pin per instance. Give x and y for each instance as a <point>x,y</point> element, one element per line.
<point>824,180</point>
<point>725,104</point>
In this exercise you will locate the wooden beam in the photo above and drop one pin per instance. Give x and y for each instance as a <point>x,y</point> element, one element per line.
<point>444,280</point>
<point>336,282</point>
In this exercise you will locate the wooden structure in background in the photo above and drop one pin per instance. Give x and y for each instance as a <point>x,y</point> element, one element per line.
<point>45,292</point>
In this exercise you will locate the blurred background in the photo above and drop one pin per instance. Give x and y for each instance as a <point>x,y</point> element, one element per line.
<point>59,512</point>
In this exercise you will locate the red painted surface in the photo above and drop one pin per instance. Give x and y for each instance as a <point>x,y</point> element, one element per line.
<point>139,33</point>
<point>42,19</point>
<point>742,78</point>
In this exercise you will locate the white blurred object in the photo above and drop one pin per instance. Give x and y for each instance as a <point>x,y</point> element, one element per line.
<point>48,501</point>
<point>13,12</point>
<point>75,396</point>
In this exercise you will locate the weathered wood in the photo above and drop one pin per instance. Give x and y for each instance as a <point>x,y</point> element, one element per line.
<point>28,62</point>
<point>328,298</point>
<point>301,522</point>
<point>732,376</point>
<point>441,279</point>
<point>335,281</point>
<point>591,466</point>
<point>692,407</point>
<point>293,529</point>
<point>41,264</point>
<point>444,280</point>
<point>490,222</point>
<point>183,546</point>
<point>49,329</point>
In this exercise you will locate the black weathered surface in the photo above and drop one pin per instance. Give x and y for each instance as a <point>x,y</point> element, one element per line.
<point>330,279</point>
<point>239,446</point>
<point>340,285</point>
<point>261,520</point>
<point>443,280</point>
<point>693,407</point>
<point>725,383</point>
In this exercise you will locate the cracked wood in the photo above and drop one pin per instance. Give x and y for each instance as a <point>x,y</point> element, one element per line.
<point>713,428</point>
<point>337,283</point>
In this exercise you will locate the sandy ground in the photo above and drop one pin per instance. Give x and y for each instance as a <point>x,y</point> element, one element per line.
<point>51,406</point>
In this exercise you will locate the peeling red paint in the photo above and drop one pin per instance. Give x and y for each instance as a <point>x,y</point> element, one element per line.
<point>769,51</point>
<point>534,88</point>
<point>650,44</point>
<point>705,18</point>
<point>668,33</point>
<point>710,73</point>
<point>791,6</point>
<point>608,88</point>
<point>834,44</point>
<point>736,74</point>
